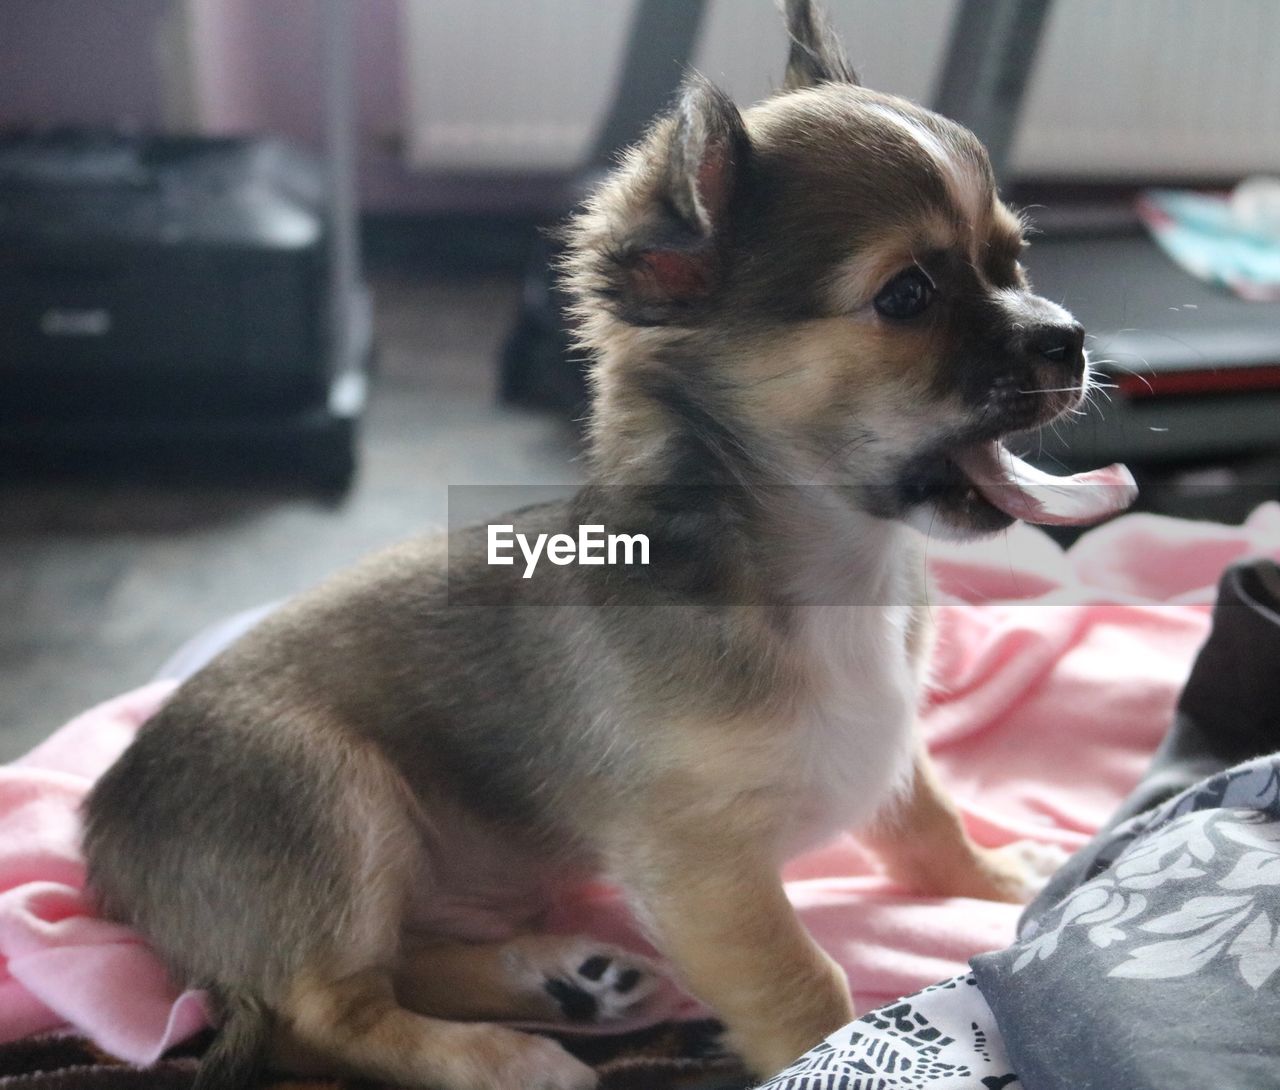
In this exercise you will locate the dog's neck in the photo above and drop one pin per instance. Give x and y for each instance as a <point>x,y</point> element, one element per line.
<point>754,500</point>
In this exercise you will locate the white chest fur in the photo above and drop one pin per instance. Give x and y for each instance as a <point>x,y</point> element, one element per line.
<point>853,729</point>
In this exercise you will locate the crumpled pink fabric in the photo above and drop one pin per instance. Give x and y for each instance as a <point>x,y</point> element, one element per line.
<point>1055,679</point>
<point>61,965</point>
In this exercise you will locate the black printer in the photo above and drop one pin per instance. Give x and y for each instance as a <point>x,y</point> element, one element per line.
<point>171,295</point>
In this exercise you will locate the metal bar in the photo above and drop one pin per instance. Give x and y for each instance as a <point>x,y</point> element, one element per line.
<point>988,65</point>
<point>340,166</point>
<point>659,47</point>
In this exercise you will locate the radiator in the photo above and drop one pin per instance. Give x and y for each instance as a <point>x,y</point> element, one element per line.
<point>516,85</point>
<point>1121,87</point>
<point>1155,87</point>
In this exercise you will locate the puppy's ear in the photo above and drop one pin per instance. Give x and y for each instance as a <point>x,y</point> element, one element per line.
<point>705,155</point>
<point>674,256</point>
<point>816,54</point>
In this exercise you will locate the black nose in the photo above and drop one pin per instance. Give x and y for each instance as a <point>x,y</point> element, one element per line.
<point>1059,343</point>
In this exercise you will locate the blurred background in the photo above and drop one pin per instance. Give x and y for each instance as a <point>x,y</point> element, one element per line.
<point>271,275</point>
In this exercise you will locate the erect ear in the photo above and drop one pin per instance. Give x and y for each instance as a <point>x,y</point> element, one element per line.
<point>676,258</point>
<point>816,54</point>
<point>705,157</point>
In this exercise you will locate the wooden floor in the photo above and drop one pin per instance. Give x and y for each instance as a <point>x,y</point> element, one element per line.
<point>100,582</point>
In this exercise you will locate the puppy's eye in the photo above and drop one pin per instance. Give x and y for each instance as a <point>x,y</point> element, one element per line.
<point>907,295</point>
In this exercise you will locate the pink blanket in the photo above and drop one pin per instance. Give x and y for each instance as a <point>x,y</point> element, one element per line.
<point>1056,675</point>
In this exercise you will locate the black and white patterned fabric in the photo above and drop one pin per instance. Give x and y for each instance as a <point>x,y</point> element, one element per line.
<point>943,1038</point>
<point>1162,972</point>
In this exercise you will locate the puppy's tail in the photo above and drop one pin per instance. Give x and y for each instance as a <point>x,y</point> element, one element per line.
<point>239,1052</point>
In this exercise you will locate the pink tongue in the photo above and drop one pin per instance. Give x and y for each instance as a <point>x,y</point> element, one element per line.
<point>1026,493</point>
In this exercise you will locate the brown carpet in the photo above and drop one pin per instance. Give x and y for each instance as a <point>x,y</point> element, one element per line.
<point>676,1056</point>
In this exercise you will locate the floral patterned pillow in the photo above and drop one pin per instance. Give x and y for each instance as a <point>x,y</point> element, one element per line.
<point>1161,971</point>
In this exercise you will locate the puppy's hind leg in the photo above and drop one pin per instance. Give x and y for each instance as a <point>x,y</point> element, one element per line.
<point>356,1025</point>
<point>339,1010</point>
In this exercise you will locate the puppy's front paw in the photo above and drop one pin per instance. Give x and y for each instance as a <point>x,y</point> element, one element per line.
<point>1039,861</point>
<point>1019,871</point>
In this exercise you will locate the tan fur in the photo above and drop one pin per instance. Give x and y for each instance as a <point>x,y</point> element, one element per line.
<point>923,845</point>
<point>474,980</point>
<point>495,980</point>
<point>718,912</point>
<point>356,1026</point>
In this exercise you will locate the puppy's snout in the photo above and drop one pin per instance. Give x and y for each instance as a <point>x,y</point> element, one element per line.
<point>1060,344</point>
<point>1041,372</point>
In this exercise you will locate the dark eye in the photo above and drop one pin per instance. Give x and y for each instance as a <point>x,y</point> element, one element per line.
<point>907,295</point>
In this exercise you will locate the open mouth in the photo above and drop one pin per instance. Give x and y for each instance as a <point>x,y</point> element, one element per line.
<point>983,486</point>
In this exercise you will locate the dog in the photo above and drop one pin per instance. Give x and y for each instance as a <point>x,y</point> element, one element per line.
<point>811,333</point>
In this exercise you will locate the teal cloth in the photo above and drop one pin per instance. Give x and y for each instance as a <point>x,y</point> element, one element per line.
<point>1204,234</point>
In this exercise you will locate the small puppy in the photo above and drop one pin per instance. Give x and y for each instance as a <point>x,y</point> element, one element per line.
<point>811,333</point>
